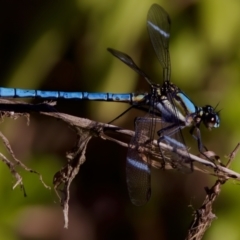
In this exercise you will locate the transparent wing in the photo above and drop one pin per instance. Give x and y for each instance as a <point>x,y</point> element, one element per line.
<point>169,153</point>
<point>158,24</point>
<point>128,61</point>
<point>138,169</point>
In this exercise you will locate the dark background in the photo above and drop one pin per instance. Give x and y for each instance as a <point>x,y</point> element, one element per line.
<point>62,45</point>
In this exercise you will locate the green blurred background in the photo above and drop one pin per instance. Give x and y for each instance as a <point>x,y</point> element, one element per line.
<point>62,45</point>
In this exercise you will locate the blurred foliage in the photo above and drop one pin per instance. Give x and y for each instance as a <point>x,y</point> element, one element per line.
<point>62,45</point>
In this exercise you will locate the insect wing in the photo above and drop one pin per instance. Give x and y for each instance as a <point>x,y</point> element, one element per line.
<point>158,24</point>
<point>138,170</point>
<point>128,61</point>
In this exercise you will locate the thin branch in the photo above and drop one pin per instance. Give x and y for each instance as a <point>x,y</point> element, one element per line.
<point>16,175</point>
<point>204,216</point>
<point>62,179</point>
<point>99,129</point>
<point>18,162</point>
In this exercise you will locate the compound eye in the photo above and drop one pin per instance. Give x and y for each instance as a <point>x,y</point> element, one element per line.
<point>211,121</point>
<point>211,118</point>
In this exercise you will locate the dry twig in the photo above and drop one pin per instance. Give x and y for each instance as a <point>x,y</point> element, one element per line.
<point>204,216</point>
